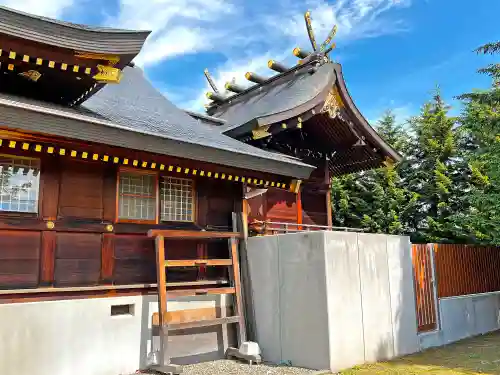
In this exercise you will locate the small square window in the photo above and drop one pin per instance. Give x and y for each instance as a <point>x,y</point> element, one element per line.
<point>137,196</point>
<point>19,184</point>
<point>176,199</point>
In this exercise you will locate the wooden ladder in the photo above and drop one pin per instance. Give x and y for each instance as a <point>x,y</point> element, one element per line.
<point>196,288</point>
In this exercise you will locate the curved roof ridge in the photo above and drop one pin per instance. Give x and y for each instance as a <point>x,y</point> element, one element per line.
<point>104,29</point>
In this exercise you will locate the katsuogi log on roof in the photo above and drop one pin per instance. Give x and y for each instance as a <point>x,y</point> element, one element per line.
<point>304,111</point>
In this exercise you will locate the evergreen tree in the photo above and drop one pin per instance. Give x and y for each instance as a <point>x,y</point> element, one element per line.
<point>431,172</point>
<point>375,200</point>
<point>481,128</point>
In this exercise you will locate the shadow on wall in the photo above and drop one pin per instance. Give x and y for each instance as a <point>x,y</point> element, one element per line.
<point>471,356</point>
<point>185,346</point>
<point>332,299</point>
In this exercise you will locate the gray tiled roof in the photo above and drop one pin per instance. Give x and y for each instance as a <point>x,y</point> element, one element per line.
<point>137,104</point>
<point>126,43</point>
<point>287,92</point>
<point>65,23</point>
<point>135,115</point>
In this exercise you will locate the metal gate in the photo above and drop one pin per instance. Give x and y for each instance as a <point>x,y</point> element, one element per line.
<point>425,286</point>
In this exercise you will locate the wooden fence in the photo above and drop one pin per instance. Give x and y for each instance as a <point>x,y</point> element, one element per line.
<point>466,269</point>
<point>423,273</point>
<point>450,270</point>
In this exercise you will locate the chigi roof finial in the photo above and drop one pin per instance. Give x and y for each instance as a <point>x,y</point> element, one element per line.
<point>324,48</point>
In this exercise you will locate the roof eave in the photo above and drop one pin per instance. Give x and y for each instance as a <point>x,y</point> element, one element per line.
<point>64,35</point>
<point>361,121</point>
<point>101,131</point>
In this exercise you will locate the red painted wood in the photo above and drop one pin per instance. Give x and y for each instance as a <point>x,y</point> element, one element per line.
<point>47,258</point>
<point>107,258</point>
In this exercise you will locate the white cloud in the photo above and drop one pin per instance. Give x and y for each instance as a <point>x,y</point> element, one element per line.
<point>179,26</point>
<point>279,33</point>
<point>47,8</point>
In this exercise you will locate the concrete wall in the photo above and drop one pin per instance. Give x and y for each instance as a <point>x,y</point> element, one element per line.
<point>331,300</point>
<point>463,317</point>
<point>80,337</point>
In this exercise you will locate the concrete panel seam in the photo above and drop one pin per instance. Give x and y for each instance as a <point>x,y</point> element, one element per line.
<point>361,299</point>
<point>279,297</point>
<point>390,299</point>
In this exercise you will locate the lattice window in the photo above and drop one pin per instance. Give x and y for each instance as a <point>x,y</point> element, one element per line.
<point>19,184</point>
<point>177,199</point>
<point>137,196</point>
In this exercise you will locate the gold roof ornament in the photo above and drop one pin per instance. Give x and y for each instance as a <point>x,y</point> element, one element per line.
<point>108,74</point>
<point>112,59</point>
<point>32,75</point>
<point>261,132</point>
<point>333,103</point>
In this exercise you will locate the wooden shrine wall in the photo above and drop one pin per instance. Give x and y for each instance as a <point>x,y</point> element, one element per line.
<point>80,198</point>
<point>310,206</point>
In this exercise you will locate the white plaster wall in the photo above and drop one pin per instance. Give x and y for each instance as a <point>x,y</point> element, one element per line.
<point>263,269</point>
<point>464,316</point>
<point>342,299</point>
<point>80,337</point>
<point>303,300</point>
<point>375,296</point>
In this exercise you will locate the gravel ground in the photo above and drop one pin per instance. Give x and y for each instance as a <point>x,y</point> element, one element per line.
<point>231,367</point>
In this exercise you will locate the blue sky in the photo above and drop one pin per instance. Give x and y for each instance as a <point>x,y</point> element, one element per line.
<point>393,52</point>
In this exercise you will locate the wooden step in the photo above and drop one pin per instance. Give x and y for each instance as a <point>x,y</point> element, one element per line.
<point>198,262</point>
<point>203,323</point>
<point>200,292</point>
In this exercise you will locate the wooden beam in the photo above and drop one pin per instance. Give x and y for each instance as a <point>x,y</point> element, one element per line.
<point>236,279</point>
<point>47,258</point>
<point>190,315</point>
<point>189,234</point>
<point>161,276</point>
<point>198,262</point>
<point>107,258</point>
<point>49,192</point>
<point>109,194</point>
<point>203,323</point>
<point>328,198</point>
<point>201,292</point>
<point>299,209</point>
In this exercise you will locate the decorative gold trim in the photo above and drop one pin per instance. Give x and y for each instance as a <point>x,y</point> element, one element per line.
<point>333,103</point>
<point>8,142</point>
<point>295,186</point>
<point>50,225</point>
<point>108,74</point>
<point>112,59</point>
<point>109,228</point>
<point>32,75</point>
<point>261,132</point>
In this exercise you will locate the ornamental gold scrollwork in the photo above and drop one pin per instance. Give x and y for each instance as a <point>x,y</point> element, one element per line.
<point>333,103</point>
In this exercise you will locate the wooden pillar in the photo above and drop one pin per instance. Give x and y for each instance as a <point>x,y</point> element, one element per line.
<point>49,205</point>
<point>107,258</point>
<point>299,209</point>
<point>47,258</point>
<point>109,215</point>
<point>328,182</point>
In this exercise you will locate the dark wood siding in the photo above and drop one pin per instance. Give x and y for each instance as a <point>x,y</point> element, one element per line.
<point>314,208</point>
<point>77,259</point>
<point>134,260</point>
<point>68,244</point>
<point>81,191</point>
<point>19,259</point>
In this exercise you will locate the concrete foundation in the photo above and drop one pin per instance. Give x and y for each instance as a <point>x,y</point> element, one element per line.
<point>80,337</point>
<point>332,300</point>
<point>464,316</point>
